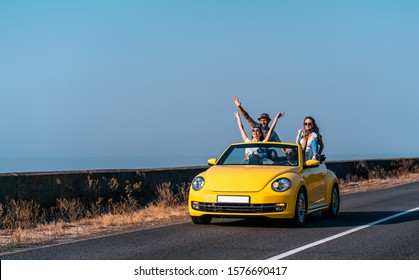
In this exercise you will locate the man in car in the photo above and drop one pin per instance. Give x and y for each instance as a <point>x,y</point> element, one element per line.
<point>291,155</point>
<point>263,121</point>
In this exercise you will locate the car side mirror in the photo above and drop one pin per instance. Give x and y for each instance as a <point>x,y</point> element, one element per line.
<point>212,161</point>
<point>312,163</point>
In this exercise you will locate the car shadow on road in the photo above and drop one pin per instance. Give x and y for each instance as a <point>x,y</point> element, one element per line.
<point>344,219</point>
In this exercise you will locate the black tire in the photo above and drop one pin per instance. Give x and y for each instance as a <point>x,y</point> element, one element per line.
<point>333,209</point>
<point>202,220</point>
<point>300,215</point>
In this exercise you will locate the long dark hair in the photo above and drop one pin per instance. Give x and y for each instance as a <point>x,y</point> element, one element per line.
<point>315,127</point>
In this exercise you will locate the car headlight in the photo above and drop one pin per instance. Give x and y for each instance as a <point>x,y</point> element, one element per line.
<point>198,183</point>
<point>281,185</point>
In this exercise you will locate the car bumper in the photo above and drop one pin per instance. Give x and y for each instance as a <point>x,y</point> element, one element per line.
<point>277,206</point>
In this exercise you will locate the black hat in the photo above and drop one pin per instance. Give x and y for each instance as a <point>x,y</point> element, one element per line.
<point>264,116</point>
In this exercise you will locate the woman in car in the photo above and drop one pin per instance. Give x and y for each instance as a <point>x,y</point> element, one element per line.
<point>257,135</point>
<point>310,139</point>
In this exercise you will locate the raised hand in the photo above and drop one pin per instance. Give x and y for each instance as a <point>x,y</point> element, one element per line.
<point>236,101</point>
<point>280,114</point>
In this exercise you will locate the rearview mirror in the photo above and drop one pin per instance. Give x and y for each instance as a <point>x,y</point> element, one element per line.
<point>212,161</point>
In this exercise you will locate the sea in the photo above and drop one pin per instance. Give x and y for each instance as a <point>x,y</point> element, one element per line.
<point>49,164</point>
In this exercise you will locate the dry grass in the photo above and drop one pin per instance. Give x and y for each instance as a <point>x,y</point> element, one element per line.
<point>24,223</point>
<point>403,171</point>
<point>376,183</point>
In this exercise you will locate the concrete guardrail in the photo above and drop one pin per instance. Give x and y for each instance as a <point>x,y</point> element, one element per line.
<point>91,185</point>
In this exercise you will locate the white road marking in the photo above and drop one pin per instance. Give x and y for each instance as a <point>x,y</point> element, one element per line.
<point>302,248</point>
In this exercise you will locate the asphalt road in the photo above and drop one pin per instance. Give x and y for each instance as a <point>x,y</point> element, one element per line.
<point>359,232</point>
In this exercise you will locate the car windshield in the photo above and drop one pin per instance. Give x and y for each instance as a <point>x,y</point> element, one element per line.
<point>260,154</point>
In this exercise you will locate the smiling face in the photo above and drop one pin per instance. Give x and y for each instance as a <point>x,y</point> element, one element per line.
<point>257,133</point>
<point>264,122</point>
<point>308,123</point>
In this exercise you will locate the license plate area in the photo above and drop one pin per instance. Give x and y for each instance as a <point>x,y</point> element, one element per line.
<point>233,199</point>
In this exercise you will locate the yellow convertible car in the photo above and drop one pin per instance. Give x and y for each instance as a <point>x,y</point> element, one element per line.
<point>268,180</point>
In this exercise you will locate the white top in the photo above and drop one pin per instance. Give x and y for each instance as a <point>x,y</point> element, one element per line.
<point>249,151</point>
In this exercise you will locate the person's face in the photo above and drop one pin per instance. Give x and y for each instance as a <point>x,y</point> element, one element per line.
<point>290,154</point>
<point>308,124</point>
<point>264,122</point>
<point>256,133</point>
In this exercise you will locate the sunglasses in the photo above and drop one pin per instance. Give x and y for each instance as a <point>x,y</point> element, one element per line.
<point>308,123</point>
<point>256,130</point>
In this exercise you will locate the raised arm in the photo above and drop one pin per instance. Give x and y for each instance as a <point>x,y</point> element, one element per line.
<point>271,129</point>
<point>239,123</point>
<point>243,112</point>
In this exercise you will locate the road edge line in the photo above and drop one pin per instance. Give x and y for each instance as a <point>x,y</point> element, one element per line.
<point>313,244</point>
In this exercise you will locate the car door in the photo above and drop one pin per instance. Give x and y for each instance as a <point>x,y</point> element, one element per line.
<point>315,179</point>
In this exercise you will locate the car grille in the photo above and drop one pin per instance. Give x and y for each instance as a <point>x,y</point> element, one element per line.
<point>237,208</point>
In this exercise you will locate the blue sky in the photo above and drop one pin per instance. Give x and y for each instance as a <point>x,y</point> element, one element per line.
<point>138,78</point>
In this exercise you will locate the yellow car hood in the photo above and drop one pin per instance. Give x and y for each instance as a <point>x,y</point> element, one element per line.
<point>241,178</point>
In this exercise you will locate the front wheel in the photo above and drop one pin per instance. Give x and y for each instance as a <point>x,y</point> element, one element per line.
<point>201,220</point>
<point>333,209</point>
<point>300,209</point>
